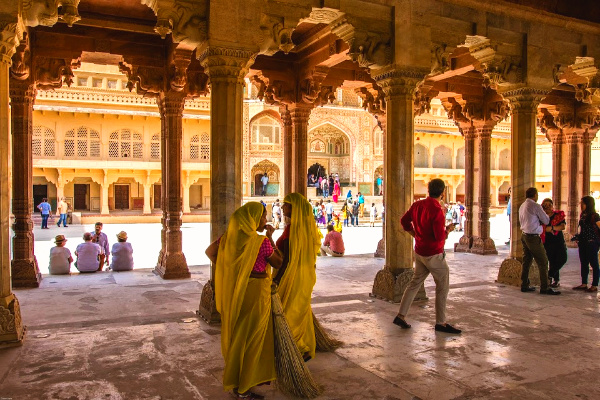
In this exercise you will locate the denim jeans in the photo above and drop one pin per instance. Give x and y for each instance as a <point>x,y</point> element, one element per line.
<point>63,219</point>
<point>588,257</point>
<point>45,220</point>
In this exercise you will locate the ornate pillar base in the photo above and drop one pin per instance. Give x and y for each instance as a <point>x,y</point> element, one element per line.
<point>510,273</point>
<point>464,244</point>
<point>12,331</point>
<point>391,288</point>
<point>207,310</point>
<point>172,266</point>
<point>380,252</point>
<point>483,246</point>
<point>25,273</point>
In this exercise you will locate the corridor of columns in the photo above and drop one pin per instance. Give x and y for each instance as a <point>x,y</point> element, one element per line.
<point>485,70</point>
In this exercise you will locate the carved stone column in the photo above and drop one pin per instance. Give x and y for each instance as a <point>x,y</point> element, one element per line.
<point>574,193</point>
<point>11,327</point>
<point>523,103</point>
<point>173,264</point>
<point>380,252</point>
<point>104,210</point>
<point>465,242</point>
<point>586,160</point>
<point>186,192</point>
<point>482,242</point>
<point>299,114</point>
<point>287,151</point>
<point>226,69</point>
<point>557,170</point>
<point>25,271</point>
<point>399,86</point>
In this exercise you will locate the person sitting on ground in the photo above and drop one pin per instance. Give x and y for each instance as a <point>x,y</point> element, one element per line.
<point>88,255</point>
<point>122,254</point>
<point>60,257</point>
<point>333,243</point>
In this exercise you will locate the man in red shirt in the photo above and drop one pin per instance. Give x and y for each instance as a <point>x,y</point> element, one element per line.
<point>425,222</point>
<point>333,243</point>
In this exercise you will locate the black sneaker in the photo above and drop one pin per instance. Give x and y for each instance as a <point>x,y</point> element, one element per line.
<point>528,289</point>
<point>551,292</point>
<point>447,329</point>
<point>401,323</point>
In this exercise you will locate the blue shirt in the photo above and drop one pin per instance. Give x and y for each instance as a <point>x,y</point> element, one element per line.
<point>45,208</point>
<point>361,199</point>
<point>509,206</point>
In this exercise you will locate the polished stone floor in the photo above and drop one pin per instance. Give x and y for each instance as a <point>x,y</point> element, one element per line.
<point>131,335</point>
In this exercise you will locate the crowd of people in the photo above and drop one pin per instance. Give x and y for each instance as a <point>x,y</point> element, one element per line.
<point>93,254</point>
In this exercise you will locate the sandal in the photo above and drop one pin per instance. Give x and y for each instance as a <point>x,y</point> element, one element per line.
<point>580,287</point>
<point>592,289</point>
<point>247,395</point>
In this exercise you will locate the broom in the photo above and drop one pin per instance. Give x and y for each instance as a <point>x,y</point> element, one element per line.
<point>325,342</point>
<point>293,377</point>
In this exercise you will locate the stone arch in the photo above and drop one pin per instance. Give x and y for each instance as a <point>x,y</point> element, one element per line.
<point>335,147</point>
<point>421,156</point>
<point>460,158</point>
<point>266,130</point>
<point>273,172</point>
<point>442,157</point>
<point>504,160</point>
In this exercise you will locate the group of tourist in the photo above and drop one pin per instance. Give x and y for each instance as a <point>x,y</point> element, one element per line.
<point>46,210</point>
<point>92,254</point>
<point>455,215</point>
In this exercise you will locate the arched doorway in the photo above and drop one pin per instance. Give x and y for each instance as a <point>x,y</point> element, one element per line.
<point>317,170</point>
<point>329,147</point>
<point>258,171</point>
<point>378,173</point>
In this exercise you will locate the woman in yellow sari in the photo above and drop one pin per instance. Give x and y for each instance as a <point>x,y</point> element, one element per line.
<point>243,298</point>
<point>300,243</point>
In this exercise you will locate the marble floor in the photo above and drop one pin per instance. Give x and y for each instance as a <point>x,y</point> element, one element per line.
<point>131,335</point>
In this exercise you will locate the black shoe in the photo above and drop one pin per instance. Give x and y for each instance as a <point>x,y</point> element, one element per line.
<point>507,242</point>
<point>528,289</point>
<point>401,323</point>
<point>550,292</point>
<point>447,329</point>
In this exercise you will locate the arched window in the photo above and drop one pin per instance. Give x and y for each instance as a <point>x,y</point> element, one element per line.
<point>421,156</point>
<point>195,147</point>
<point>155,147</point>
<point>504,163</point>
<point>125,144</point>
<point>460,158</point>
<point>43,143</point>
<point>442,157</point>
<point>265,131</point>
<point>204,146</point>
<point>82,143</point>
<point>378,141</point>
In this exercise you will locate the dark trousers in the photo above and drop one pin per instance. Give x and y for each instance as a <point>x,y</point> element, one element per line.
<point>588,256</point>
<point>533,249</point>
<point>45,220</point>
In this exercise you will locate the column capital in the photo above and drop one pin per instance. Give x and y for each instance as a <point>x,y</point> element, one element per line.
<point>171,103</point>
<point>11,33</point>
<point>525,99</point>
<point>226,63</point>
<point>399,81</point>
<point>299,112</point>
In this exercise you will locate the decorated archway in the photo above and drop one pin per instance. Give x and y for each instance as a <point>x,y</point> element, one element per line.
<point>329,147</point>
<point>258,171</point>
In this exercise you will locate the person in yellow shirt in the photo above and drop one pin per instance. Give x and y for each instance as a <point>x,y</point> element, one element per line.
<point>62,209</point>
<point>243,298</point>
<point>337,223</point>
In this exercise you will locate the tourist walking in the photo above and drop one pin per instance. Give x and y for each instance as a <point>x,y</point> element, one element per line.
<point>265,181</point>
<point>554,241</point>
<point>333,244</point>
<point>299,243</point>
<point>122,254</point>
<point>425,222</point>
<point>588,241</point>
<point>60,257</point>
<point>336,191</point>
<point>100,237</point>
<point>62,207</point>
<point>45,208</point>
<point>325,188</point>
<point>355,213</point>
<point>346,214</point>
<point>532,218</point>
<point>379,186</point>
<point>372,215</point>
<point>243,298</point>
<point>329,210</point>
<point>276,213</point>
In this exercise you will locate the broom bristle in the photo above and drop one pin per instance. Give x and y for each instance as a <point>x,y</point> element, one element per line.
<point>293,377</point>
<point>325,342</point>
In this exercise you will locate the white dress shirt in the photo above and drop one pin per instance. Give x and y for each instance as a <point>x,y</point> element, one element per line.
<point>532,216</point>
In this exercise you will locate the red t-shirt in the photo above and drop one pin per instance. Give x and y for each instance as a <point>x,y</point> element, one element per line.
<point>427,219</point>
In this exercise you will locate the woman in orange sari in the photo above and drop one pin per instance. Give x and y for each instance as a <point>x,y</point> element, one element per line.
<point>243,298</point>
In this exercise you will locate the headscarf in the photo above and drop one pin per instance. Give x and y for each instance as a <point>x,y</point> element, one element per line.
<point>236,257</point>
<point>296,285</point>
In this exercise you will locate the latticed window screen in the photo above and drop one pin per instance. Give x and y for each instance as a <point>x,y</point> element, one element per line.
<point>195,147</point>
<point>155,147</point>
<point>43,142</point>
<point>125,144</point>
<point>82,143</point>
<point>265,131</point>
<point>205,146</point>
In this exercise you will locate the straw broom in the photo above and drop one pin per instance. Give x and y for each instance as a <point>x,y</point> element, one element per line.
<point>325,342</point>
<point>293,377</point>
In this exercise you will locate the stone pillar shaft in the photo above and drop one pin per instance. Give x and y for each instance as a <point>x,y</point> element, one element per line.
<point>287,151</point>
<point>11,325</point>
<point>25,271</point>
<point>104,210</point>
<point>465,242</point>
<point>147,205</point>
<point>557,163</point>
<point>173,264</point>
<point>586,160</point>
<point>573,183</point>
<point>299,114</point>
<point>380,252</point>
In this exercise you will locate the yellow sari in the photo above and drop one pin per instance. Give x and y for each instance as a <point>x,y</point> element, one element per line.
<point>244,304</point>
<point>296,285</point>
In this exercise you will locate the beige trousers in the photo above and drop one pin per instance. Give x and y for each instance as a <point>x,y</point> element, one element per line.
<point>326,250</point>
<point>438,267</point>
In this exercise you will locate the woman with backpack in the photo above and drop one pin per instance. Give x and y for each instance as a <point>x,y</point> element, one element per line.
<point>588,240</point>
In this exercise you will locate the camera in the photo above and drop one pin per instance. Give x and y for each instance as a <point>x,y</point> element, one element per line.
<point>575,238</point>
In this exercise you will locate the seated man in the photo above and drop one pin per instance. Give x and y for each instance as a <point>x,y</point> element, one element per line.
<point>88,255</point>
<point>60,257</point>
<point>333,243</point>
<point>122,254</point>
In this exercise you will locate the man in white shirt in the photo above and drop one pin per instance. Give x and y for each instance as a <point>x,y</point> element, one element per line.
<point>276,214</point>
<point>60,257</point>
<point>88,255</point>
<point>531,217</point>
<point>265,181</point>
<point>329,211</point>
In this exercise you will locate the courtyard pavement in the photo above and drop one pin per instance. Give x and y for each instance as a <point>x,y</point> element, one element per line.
<point>132,335</point>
